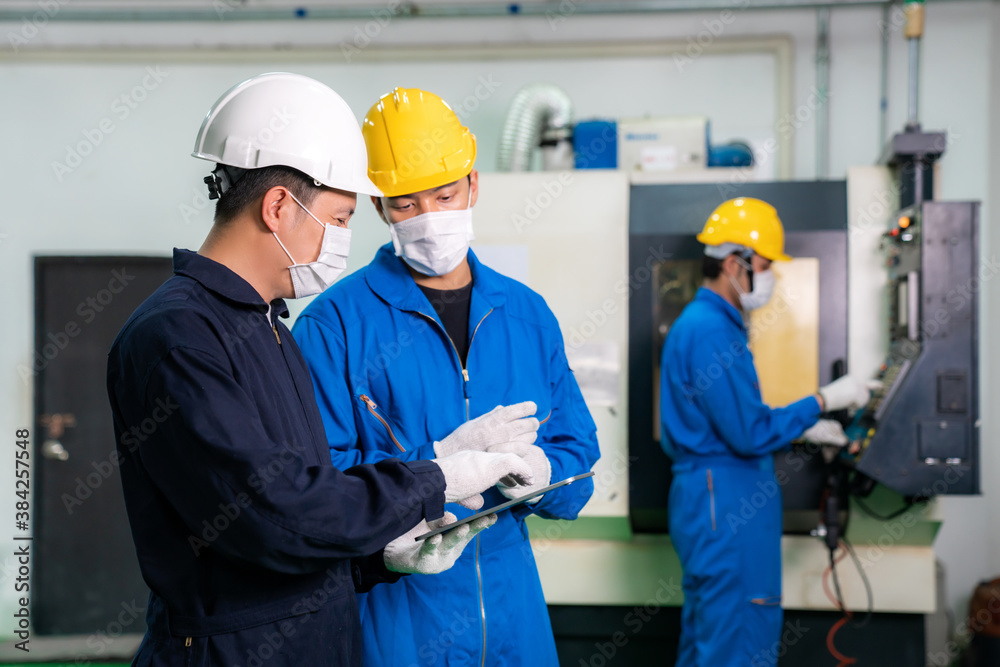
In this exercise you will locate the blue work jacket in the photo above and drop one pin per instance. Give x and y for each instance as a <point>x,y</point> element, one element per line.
<point>710,397</point>
<point>383,363</point>
<point>251,542</point>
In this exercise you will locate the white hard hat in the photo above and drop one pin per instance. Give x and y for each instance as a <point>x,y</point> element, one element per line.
<point>290,120</point>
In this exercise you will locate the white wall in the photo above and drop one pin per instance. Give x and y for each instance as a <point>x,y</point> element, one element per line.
<point>128,196</point>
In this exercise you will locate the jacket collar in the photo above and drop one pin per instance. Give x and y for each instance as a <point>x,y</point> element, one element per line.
<point>223,281</point>
<point>389,277</point>
<point>716,302</point>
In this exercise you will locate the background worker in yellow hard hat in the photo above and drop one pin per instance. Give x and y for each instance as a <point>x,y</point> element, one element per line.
<point>417,343</point>
<point>721,437</point>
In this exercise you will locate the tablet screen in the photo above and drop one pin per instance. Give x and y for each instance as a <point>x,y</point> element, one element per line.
<point>503,506</point>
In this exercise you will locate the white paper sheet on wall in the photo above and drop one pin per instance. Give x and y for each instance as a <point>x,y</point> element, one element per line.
<point>510,260</point>
<point>597,367</point>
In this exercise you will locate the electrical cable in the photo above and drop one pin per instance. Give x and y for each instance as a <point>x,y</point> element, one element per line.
<point>865,581</point>
<point>844,660</point>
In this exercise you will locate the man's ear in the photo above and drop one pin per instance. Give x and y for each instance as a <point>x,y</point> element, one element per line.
<point>731,266</point>
<point>377,201</point>
<point>278,209</point>
<point>473,187</point>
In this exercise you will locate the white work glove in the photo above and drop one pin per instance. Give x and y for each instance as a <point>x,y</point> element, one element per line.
<point>847,392</point>
<point>468,474</point>
<point>826,432</point>
<point>535,457</point>
<point>512,423</point>
<point>435,554</point>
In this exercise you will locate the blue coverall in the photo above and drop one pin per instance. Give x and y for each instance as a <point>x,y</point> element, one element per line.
<point>251,542</point>
<point>725,505</point>
<point>382,362</point>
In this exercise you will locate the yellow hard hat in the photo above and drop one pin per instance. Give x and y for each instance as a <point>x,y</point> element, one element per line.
<point>415,142</point>
<point>747,222</point>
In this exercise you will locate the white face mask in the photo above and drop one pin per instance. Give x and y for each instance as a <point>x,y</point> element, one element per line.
<point>433,243</point>
<point>763,288</point>
<point>314,277</point>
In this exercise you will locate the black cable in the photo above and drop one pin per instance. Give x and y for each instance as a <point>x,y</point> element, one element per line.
<point>864,579</point>
<point>910,504</point>
<point>836,582</point>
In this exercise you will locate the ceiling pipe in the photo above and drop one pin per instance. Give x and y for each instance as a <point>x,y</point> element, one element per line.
<point>823,93</point>
<point>234,10</point>
<point>883,82</point>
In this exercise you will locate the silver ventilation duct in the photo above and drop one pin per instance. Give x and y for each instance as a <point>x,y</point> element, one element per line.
<point>540,112</point>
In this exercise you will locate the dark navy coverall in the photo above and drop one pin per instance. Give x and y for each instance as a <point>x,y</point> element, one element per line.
<point>251,542</point>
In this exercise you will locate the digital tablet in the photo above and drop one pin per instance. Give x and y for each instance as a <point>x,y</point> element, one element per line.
<point>503,506</point>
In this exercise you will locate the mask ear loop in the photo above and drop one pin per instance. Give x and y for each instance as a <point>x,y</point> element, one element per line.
<point>745,263</point>
<point>321,224</point>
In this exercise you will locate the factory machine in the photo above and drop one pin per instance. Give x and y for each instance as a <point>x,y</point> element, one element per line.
<point>883,284</point>
<point>919,434</point>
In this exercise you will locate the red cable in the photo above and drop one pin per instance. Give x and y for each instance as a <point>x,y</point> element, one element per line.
<point>844,660</point>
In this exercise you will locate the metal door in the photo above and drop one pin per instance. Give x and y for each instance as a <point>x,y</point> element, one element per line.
<point>86,578</point>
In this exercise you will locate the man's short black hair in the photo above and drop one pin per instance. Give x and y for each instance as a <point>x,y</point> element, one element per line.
<point>711,267</point>
<point>254,184</point>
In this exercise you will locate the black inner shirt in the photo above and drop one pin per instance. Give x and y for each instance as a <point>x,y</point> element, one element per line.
<point>452,306</point>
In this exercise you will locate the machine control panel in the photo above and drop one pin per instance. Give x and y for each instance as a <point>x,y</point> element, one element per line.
<point>919,433</point>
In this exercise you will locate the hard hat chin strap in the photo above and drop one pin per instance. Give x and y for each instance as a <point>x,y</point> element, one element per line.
<point>223,177</point>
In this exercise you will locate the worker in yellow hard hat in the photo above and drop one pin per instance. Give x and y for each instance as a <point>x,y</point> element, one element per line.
<point>721,437</point>
<point>423,339</point>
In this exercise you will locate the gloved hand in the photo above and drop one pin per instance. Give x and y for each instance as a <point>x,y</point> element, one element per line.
<point>847,392</point>
<point>468,474</point>
<point>534,456</point>
<point>826,432</point>
<point>435,554</point>
<point>501,424</point>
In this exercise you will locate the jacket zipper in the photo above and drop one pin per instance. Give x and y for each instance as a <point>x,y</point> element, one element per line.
<point>274,328</point>
<point>711,495</point>
<point>371,408</point>
<point>465,391</point>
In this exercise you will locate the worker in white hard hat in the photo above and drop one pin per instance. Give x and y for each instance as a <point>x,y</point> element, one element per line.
<point>418,342</point>
<point>253,545</point>
<point>721,437</point>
